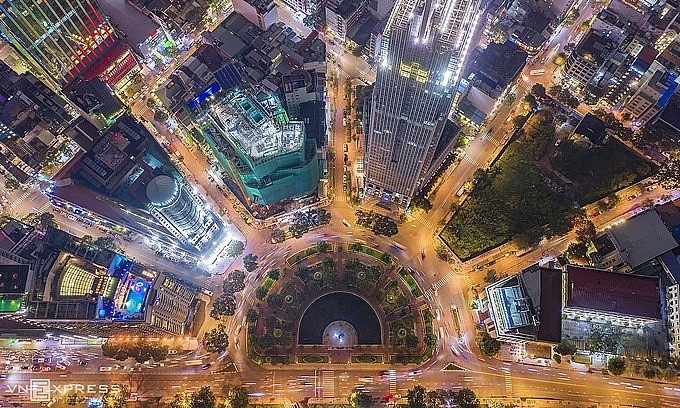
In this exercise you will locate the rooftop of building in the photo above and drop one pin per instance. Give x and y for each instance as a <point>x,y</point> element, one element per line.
<point>642,238</point>
<point>262,6</point>
<point>13,279</point>
<point>593,128</point>
<point>594,48</point>
<point>129,20</point>
<point>532,303</point>
<point>260,128</point>
<point>604,291</point>
<point>669,115</point>
<point>484,64</point>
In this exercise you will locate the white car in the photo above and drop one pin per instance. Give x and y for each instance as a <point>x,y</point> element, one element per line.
<point>103,369</point>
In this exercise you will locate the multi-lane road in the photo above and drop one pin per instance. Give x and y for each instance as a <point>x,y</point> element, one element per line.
<point>445,285</point>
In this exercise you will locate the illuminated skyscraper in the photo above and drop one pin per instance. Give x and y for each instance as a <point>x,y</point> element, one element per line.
<point>65,38</point>
<point>423,48</point>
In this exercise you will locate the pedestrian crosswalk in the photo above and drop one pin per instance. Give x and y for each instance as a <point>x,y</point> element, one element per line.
<point>424,221</point>
<point>19,200</point>
<point>494,141</point>
<point>392,379</point>
<point>467,280</point>
<point>328,384</point>
<point>471,160</point>
<point>441,282</point>
<point>508,383</point>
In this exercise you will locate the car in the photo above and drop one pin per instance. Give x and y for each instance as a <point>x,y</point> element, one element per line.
<point>206,366</point>
<point>35,368</point>
<point>104,369</point>
<point>651,188</point>
<point>557,143</point>
<point>82,362</point>
<point>60,366</point>
<point>173,351</point>
<point>416,372</point>
<point>345,148</point>
<point>25,367</point>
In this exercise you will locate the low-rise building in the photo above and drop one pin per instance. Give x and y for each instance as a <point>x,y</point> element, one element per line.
<point>485,80</point>
<point>32,119</point>
<point>341,16</point>
<point>613,298</point>
<point>587,59</point>
<point>526,306</point>
<point>634,242</point>
<point>262,13</point>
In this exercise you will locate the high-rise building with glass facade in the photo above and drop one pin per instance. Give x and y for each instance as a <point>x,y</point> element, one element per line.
<point>422,53</point>
<point>65,38</point>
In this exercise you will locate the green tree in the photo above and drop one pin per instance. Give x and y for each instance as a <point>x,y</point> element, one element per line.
<point>203,398</point>
<point>216,340</point>
<point>530,101</point>
<point>224,305</point>
<point>181,400</point>
<point>238,397</point>
<point>323,247</point>
<point>251,315</point>
<point>490,276</point>
<point>539,91</point>
<point>360,399</point>
<point>116,399</point>
<point>11,183</point>
<point>577,250</point>
<point>565,348</point>
<point>585,230</point>
<point>509,99</point>
<point>411,341</point>
<point>616,365</point>
<point>235,248</point>
<point>466,398</point>
<point>274,274</point>
<point>560,59</point>
<point>489,346</point>
<point>669,174</point>
<point>160,115</point>
<point>650,372</point>
<point>416,397</point>
<point>278,235</point>
<point>250,262</point>
<point>234,282</point>
<point>518,121</point>
<point>105,243</point>
<point>86,240</point>
<point>73,399</point>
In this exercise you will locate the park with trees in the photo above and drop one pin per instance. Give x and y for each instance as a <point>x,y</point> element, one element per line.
<point>534,188</point>
<point>287,291</point>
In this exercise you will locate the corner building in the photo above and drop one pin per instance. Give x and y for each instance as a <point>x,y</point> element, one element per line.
<point>422,54</point>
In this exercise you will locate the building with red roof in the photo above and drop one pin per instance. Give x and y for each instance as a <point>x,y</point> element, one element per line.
<point>616,298</point>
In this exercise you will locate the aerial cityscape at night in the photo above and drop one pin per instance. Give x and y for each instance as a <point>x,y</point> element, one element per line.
<point>340,203</point>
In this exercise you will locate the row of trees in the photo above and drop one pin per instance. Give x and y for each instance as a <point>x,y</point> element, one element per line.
<point>419,397</point>
<point>305,220</point>
<point>379,224</point>
<point>237,397</point>
<point>140,350</point>
<point>564,95</point>
<point>216,340</point>
<point>225,304</point>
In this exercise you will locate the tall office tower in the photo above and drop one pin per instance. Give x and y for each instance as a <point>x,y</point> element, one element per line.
<point>423,48</point>
<point>64,38</point>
